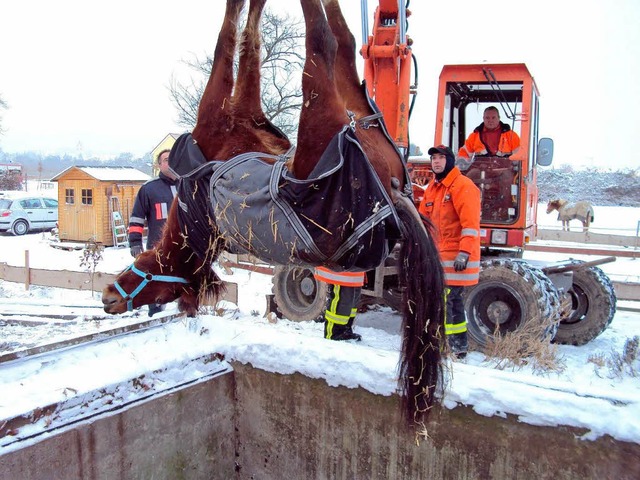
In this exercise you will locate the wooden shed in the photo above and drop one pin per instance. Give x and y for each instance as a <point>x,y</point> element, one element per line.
<point>88,198</point>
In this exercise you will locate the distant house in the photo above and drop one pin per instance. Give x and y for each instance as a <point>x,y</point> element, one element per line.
<point>88,198</point>
<point>166,143</point>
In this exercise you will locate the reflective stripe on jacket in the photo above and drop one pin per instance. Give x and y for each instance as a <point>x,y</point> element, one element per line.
<point>453,205</point>
<point>346,279</point>
<point>509,141</point>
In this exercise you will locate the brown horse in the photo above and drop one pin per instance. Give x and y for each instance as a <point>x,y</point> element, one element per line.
<point>336,112</point>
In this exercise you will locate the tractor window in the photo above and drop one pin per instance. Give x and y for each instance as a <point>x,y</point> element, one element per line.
<point>465,104</point>
<point>473,116</point>
<point>496,177</point>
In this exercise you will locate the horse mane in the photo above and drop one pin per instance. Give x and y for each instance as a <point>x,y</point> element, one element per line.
<point>210,285</point>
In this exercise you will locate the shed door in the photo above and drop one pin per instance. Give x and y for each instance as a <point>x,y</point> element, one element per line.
<point>86,214</point>
<point>78,222</point>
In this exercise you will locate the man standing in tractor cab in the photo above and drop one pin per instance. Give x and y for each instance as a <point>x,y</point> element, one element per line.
<point>491,137</point>
<point>452,203</point>
<point>152,205</point>
<point>342,304</point>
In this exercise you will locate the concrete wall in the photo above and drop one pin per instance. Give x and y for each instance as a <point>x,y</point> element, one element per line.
<point>188,434</point>
<point>252,424</point>
<point>294,427</point>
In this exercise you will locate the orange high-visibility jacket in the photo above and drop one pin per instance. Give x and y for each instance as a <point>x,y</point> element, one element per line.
<point>509,141</point>
<point>453,205</point>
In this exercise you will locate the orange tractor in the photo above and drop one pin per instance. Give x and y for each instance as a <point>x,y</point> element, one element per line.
<point>575,300</point>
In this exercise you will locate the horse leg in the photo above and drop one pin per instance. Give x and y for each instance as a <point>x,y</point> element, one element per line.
<point>214,111</point>
<point>323,114</point>
<point>346,73</point>
<point>246,96</point>
<point>381,153</point>
<point>420,272</point>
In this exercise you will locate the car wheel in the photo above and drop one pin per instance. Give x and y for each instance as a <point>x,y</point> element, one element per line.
<point>20,227</point>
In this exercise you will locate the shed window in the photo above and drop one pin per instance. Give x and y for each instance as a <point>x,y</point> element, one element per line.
<point>87,196</point>
<point>69,196</point>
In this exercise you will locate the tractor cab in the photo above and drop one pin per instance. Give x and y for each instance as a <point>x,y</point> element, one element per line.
<point>507,184</point>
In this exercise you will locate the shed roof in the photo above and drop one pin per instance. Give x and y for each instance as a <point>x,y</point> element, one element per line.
<point>109,173</point>
<point>172,136</point>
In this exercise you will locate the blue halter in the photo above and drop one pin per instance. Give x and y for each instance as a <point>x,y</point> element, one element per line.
<point>146,278</point>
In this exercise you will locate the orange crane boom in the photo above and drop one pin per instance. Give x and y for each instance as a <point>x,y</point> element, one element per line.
<point>387,66</point>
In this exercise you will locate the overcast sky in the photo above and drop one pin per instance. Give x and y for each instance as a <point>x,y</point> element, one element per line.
<point>94,76</point>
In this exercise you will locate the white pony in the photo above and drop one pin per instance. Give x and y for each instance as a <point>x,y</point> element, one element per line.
<point>582,211</point>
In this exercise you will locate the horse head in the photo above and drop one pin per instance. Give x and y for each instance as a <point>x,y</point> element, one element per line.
<point>553,205</point>
<point>171,271</point>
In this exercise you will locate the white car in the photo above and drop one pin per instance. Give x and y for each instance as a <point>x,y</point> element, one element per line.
<point>22,214</point>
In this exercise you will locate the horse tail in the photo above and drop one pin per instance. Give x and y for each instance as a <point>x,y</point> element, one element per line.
<point>422,280</point>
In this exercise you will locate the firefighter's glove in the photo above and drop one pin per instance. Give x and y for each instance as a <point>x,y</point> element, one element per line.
<point>460,263</point>
<point>136,250</point>
<point>463,163</point>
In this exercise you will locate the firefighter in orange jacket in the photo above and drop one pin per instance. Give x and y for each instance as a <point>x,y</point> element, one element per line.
<point>452,203</point>
<point>491,137</point>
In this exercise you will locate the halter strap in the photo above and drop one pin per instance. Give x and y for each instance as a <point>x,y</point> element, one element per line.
<point>146,278</point>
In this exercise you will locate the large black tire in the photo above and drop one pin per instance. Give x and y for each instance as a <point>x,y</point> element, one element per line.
<point>298,295</point>
<point>510,293</point>
<point>593,305</point>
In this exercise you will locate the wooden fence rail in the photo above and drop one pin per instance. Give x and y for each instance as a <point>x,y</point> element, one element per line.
<point>55,278</point>
<point>631,241</point>
<point>76,280</point>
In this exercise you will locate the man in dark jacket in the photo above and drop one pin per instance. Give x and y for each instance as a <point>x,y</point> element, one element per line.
<point>152,205</point>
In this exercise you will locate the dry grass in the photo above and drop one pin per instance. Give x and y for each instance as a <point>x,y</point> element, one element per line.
<point>528,346</point>
<point>619,364</point>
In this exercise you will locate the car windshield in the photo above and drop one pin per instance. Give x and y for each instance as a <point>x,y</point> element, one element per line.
<point>4,203</point>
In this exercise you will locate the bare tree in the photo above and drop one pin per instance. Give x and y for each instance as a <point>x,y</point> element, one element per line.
<point>282,63</point>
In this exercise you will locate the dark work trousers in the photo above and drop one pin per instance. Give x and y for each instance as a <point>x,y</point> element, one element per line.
<point>456,321</point>
<point>341,310</point>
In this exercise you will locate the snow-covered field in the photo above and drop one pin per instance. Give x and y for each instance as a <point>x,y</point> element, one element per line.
<point>580,393</point>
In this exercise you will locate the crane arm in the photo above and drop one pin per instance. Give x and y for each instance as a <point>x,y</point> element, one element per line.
<point>387,68</point>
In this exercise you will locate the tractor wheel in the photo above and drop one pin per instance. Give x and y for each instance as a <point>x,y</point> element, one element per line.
<point>510,293</point>
<point>593,305</point>
<point>298,295</point>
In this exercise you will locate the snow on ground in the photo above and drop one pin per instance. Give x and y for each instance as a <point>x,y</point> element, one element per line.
<point>580,394</point>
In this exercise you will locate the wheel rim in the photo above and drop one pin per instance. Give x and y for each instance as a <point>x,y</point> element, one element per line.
<point>20,228</point>
<point>301,288</point>
<point>496,307</point>
<point>579,305</point>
